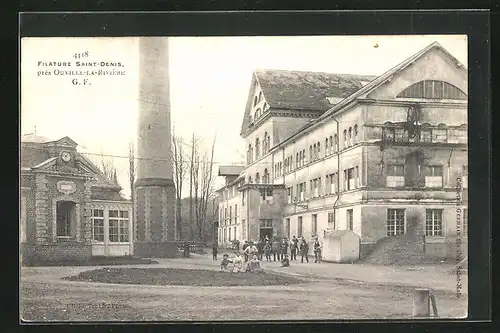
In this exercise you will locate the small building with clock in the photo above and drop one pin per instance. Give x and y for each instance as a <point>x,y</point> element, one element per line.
<point>69,210</point>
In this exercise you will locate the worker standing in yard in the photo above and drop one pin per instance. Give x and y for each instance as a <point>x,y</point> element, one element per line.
<point>317,250</point>
<point>304,250</point>
<point>245,253</point>
<point>284,248</point>
<point>294,244</point>
<point>267,250</point>
<point>214,251</point>
<point>275,248</point>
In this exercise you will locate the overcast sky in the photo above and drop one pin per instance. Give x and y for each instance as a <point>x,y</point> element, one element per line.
<point>210,78</point>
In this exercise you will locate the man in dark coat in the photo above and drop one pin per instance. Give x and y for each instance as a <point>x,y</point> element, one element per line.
<point>304,250</point>
<point>245,245</point>
<point>260,248</point>
<point>214,251</point>
<point>275,246</point>
<point>284,248</point>
<point>294,247</point>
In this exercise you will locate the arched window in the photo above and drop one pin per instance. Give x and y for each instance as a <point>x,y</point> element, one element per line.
<point>265,179</point>
<point>335,142</point>
<point>311,156</point>
<point>250,153</point>
<point>350,136</point>
<point>331,144</point>
<point>257,148</point>
<point>319,150</point>
<point>250,179</point>
<point>303,156</point>
<point>431,89</point>
<point>265,107</point>
<point>297,160</point>
<point>257,178</point>
<point>345,138</point>
<point>326,146</point>
<point>255,101</point>
<point>266,143</point>
<point>260,96</point>
<point>356,133</point>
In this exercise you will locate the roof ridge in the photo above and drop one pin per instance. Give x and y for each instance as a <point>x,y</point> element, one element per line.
<point>379,79</point>
<point>309,71</point>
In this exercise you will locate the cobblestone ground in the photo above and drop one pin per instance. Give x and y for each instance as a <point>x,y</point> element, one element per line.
<point>331,291</point>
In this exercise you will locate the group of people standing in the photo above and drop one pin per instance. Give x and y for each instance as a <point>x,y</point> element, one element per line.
<point>277,250</point>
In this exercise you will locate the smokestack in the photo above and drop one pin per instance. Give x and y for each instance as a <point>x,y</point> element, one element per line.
<point>154,188</point>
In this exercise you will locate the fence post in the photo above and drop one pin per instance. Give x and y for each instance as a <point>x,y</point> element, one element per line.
<point>421,305</point>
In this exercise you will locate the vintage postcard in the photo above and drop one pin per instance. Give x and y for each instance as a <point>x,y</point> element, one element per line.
<point>243,178</point>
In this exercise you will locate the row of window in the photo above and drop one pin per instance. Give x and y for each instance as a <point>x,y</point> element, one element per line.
<point>395,223</point>
<point>118,226</point>
<point>226,218</point>
<point>433,222</point>
<point>316,189</point>
<point>265,146</point>
<point>441,134</point>
<point>331,144</point>
<point>433,176</point>
<point>227,234</point>
<point>314,223</point>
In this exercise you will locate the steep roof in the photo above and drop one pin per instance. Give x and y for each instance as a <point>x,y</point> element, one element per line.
<point>32,137</point>
<point>230,170</point>
<point>387,75</point>
<point>372,85</point>
<point>302,90</point>
<point>306,90</point>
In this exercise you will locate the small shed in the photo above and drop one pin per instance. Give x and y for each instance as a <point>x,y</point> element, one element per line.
<point>341,246</point>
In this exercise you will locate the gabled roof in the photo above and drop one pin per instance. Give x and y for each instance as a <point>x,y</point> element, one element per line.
<point>372,85</point>
<point>302,90</point>
<point>230,170</point>
<point>32,137</point>
<point>387,75</point>
<point>65,141</point>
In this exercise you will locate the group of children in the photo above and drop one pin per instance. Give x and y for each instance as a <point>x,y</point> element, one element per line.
<point>279,250</point>
<point>238,266</point>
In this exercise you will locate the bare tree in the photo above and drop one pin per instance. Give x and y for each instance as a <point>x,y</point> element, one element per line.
<point>204,190</point>
<point>180,169</point>
<point>191,178</point>
<point>108,168</point>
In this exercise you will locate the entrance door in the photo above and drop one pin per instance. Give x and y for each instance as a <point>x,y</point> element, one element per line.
<point>266,232</point>
<point>65,211</point>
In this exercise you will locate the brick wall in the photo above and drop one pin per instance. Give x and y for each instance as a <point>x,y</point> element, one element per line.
<point>56,252</point>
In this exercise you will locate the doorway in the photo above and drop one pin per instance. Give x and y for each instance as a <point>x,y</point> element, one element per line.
<point>65,212</point>
<point>266,232</point>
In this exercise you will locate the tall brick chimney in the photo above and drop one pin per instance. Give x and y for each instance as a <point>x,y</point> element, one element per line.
<point>154,187</point>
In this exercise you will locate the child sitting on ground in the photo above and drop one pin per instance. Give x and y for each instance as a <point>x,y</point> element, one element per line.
<point>224,263</point>
<point>238,263</point>
<point>254,265</point>
<point>285,262</point>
